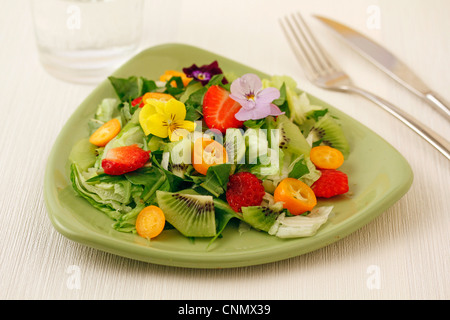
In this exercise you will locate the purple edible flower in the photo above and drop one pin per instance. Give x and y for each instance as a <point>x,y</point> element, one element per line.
<point>256,102</point>
<point>204,73</point>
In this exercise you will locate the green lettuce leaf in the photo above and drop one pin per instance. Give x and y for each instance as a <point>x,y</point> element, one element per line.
<point>106,110</point>
<point>302,225</point>
<point>298,102</point>
<point>127,221</point>
<point>110,198</point>
<point>128,89</point>
<point>151,179</point>
<point>313,175</point>
<point>217,178</point>
<point>298,169</point>
<point>223,213</point>
<point>269,164</point>
<point>294,166</point>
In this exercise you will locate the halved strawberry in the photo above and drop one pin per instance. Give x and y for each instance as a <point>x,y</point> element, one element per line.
<point>219,109</point>
<point>125,159</point>
<point>137,102</point>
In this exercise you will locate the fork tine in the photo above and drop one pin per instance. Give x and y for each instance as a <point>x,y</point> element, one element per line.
<point>297,46</point>
<point>321,56</point>
<point>307,50</point>
<point>303,40</point>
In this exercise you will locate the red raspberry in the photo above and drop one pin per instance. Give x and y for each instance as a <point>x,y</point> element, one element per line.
<point>243,190</point>
<point>331,183</point>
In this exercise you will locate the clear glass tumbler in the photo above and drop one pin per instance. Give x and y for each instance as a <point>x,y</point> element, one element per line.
<point>84,40</point>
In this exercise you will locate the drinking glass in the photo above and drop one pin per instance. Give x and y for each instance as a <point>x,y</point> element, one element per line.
<point>84,40</point>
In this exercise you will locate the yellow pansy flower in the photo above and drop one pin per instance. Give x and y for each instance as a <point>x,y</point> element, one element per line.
<point>163,118</point>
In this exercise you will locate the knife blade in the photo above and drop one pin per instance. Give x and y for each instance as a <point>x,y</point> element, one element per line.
<point>387,62</point>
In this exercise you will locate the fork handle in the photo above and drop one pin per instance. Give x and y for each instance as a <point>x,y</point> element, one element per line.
<point>438,103</point>
<point>426,133</point>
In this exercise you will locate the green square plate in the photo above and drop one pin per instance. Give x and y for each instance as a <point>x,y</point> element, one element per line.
<point>378,177</point>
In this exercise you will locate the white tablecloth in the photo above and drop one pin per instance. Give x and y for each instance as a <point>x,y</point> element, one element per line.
<point>402,254</point>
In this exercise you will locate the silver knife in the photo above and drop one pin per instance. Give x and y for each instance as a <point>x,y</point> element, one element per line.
<point>388,63</point>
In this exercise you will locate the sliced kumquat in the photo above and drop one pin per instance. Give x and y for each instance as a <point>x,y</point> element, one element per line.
<point>150,222</point>
<point>325,157</point>
<point>172,73</point>
<point>296,196</point>
<point>156,96</point>
<point>105,133</point>
<point>207,153</point>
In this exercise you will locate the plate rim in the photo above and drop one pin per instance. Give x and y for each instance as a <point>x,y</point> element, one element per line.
<point>213,260</point>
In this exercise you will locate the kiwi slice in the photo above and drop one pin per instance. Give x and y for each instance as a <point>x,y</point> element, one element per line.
<point>179,156</point>
<point>192,215</point>
<point>259,217</point>
<point>330,133</point>
<point>291,138</point>
<point>83,154</point>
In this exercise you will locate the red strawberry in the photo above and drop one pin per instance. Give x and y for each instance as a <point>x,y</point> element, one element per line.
<point>243,190</point>
<point>121,160</point>
<point>137,102</point>
<point>331,183</point>
<point>219,109</point>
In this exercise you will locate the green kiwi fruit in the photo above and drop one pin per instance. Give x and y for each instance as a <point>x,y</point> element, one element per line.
<point>84,154</point>
<point>179,170</point>
<point>330,133</point>
<point>291,138</point>
<point>192,215</point>
<point>259,217</point>
<point>179,156</point>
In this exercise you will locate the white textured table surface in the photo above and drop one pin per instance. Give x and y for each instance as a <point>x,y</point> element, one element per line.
<point>406,248</point>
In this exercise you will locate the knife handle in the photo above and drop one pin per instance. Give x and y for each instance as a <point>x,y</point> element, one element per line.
<point>438,103</point>
<point>442,145</point>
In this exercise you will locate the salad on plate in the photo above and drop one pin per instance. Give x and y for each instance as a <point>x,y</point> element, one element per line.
<point>197,148</point>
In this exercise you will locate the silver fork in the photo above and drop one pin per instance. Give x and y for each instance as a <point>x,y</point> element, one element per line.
<point>323,72</point>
